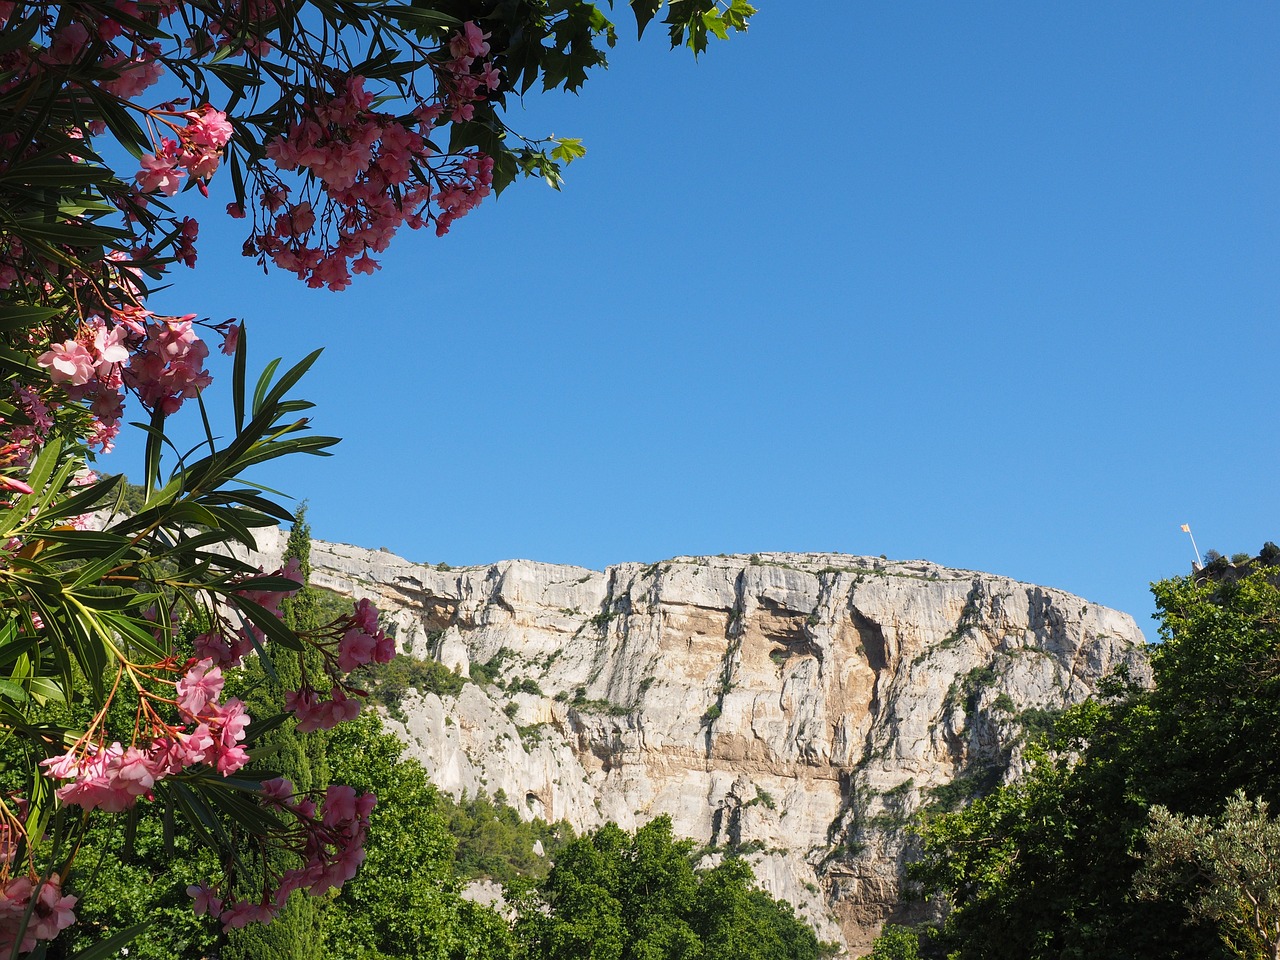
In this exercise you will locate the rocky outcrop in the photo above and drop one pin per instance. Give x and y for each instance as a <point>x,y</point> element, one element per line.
<point>797,708</point>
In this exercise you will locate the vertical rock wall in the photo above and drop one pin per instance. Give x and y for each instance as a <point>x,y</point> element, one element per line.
<point>796,708</point>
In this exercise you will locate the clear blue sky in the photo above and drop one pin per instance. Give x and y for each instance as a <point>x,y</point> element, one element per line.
<point>993,284</point>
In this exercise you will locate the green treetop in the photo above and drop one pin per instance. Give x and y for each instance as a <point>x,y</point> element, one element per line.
<point>1047,867</point>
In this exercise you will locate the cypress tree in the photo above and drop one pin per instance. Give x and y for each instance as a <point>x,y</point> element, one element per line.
<point>298,932</point>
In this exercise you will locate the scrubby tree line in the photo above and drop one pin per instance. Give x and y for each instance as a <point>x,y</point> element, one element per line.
<point>1147,826</point>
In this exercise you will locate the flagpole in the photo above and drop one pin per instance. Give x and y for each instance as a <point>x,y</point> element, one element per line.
<point>1186,528</point>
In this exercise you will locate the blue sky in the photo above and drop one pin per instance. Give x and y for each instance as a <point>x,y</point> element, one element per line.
<point>992,284</point>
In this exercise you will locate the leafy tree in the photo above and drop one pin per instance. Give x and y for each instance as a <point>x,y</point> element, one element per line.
<point>734,920</point>
<point>618,896</point>
<point>896,943</point>
<point>142,879</point>
<point>494,842</point>
<point>389,683</point>
<point>1045,867</point>
<point>1227,872</point>
<point>405,903</point>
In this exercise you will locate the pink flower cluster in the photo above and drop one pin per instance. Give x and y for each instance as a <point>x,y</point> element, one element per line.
<point>133,72</point>
<point>196,151</point>
<point>370,170</point>
<point>50,912</point>
<point>160,358</point>
<point>468,73</point>
<point>352,641</point>
<point>330,842</point>
<point>168,365</point>
<point>345,644</point>
<point>112,778</point>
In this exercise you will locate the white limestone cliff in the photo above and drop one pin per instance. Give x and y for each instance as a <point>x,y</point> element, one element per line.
<point>794,707</point>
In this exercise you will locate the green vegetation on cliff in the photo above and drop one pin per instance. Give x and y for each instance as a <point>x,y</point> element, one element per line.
<point>1126,842</point>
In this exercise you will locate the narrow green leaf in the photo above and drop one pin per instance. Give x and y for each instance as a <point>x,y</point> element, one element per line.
<point>111,947</point>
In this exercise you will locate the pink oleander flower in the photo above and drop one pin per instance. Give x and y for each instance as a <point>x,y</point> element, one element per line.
<point>110,346</point>
<point>355,649</point>
<point>135,75</point>
<point>47,916</point>
<point>470,42</point>
<point>170,366</point>
<point>208,128</point>
<point>339,805</point>
<point>14,485</point>
<point>316,714</point>
<point>205,900</point>
<point>108,778</point>
<point>200,687</point>
<point>53,911</point>
<point>159,173</point>
<point>69,362</point>
<point>366,615</point>
<point>278,791</point>
<point>68,44</point>
<point>230,339</point>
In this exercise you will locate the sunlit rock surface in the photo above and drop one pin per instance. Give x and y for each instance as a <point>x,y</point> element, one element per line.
<point>796,707</point>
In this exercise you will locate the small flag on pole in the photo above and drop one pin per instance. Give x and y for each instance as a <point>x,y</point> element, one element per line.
<point>1186,528</point>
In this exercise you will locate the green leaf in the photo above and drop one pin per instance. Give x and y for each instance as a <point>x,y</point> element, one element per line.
<point>568,149</point>
<point>713,22</point>
<point>111,947</point>
<point>18,317</point>
<point>266,621</point>
<point>645,10</point>
<point>416,17</point>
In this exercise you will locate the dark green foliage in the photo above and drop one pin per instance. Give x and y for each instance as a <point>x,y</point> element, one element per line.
<point>132,496</point>
<point>404,903</point>
<point>961,789</point>
<point>896,943</point>
<point>1044,868</point>
<point>493,842</point>
<point>618,896</point>
<point>1224,869</point>
<point>1038,723</point>
<point>1217,690</point>
<point>490,672</point>
<point>388,683</point>
<point>140,879</point>
<point>301,758</point>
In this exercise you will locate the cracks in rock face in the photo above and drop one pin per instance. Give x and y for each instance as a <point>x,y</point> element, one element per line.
<point>435,613</point>
<point>871,636</point>
<point>792,631</point>
<point>733,643</point>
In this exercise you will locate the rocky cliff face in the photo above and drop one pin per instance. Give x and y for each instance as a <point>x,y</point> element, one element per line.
<point>797,708</point>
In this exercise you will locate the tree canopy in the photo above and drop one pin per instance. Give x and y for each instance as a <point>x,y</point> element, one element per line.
<point>1128,838</point>
<point>618,896</point>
